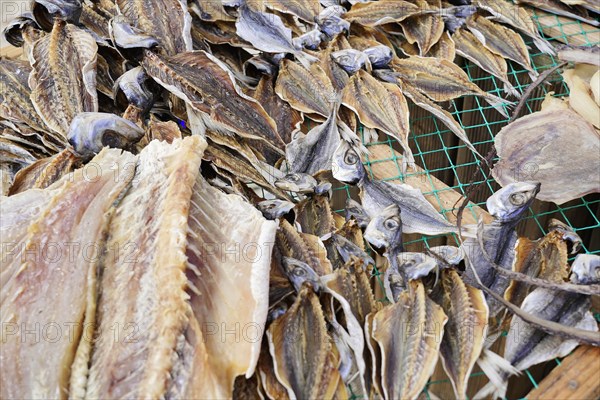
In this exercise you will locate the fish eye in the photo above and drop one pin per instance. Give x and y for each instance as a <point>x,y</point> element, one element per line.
<point>271,206</point>
<point>299,272</point>
<point>391,224</point>
<point>350,157</point>
<point>518,199</point>
<point>294,177</point>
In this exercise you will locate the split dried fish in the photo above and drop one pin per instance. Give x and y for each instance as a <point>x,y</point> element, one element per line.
<point>532,146</point>
<point>63,76</point>
<point>408,334</point>
<point>566,8</point>
<point>424,30</point>
<point>374,13</point>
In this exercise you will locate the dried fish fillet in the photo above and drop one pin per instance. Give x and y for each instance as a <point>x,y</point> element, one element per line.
<point>580,97</point>
<point>63,78</point>
<point>307,10</point>
<point>203,82</point>
<point>541,146</point>
<point>228,253</point>
<point>465,332</point>
<point>42,173</point>
<point>424,30</point>
<point>73,222</point>
<point>287,119</point>
<point>408,334</point>
<point>444,48</point>
<point>143,279</point>
<point>304,364</point>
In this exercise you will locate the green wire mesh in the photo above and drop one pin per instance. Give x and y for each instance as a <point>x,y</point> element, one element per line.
<point>443,156</point>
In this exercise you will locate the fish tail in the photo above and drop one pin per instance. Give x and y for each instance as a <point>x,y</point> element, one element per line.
<point>533,75</point>
<point>305,59</point>
<point>510,89</point>
<point>544,46</point>
<point>498,103</point>
<point>497,369</point>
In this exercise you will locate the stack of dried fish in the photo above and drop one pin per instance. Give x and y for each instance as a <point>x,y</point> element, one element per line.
<point>212,109</point>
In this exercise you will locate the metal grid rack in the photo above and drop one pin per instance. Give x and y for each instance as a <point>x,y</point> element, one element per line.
<point>444,158</point>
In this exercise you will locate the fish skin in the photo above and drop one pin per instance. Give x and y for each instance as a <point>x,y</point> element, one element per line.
<point>306,90</point>
<point>172,29</point>
<point>337,76</point>
<point>408,334</point>
<point>15,102</point>
<point>374,13</point>
<point>424,30</point>
<point>468,46</point>
<point>355,210</point>
<point>465,332</point>
<point>441,80</point>
<point>517,17</point>
<point>210,11</point>
<point>304,247</point>
<point>381,106</point>
<point>307,10</point>
<point>288,120</point>
<point>444,48</point>
<point>44,172</point>
<point>574,9</point>
<point>315,216</point>
<point>76,212</point>
<point>273,209</point>
<point>199,80</point>
<point>63,76</point>
<point>311,153</point>
<point>502,41</point>
<point>304,364</point>
<point>297,182</point>
<point>164,176</point>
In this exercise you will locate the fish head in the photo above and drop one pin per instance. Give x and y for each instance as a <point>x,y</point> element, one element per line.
<point>297,182</point>
<point>133,84</point>
<point>355,210</point>
<point>323,188</point>
<point>273,209</point>
<point>416,265</point>
<point>13,32</point>
<point>349,250</point>
<point>586,269</point>
<point>451,254</point>
<point>331,23</point>
<point>510,202</point>
<point>568,234</point>
<point>299,272</point>
<point>350,60</point>
<point>385,229</point>
<point>346,165</point>
<point>89,132</point>
<point>127,37</point>
<point>46,11</point>
<point>310,40</point>
<point>379,56</point>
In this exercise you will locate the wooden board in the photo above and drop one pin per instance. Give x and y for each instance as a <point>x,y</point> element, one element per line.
<point>578,377</point>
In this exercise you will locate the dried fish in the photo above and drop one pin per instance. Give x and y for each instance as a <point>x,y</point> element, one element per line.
<point>268,33</point>
<point>203,82</point>
<point>468,46</point>
<point>586,269</point>
<point>211,10</point>
<point>424,30</point>
<point>381,106</point>
<point>580,97</point>
<point>127,37</point>
<point>304,364</point>
<point>287,119</point>
<point>307,10</point>
<point>273,209</point>
<point>351,60</point>
<point>444,48</point>
<point>502,41</point>
<point>408,334</point>
<point>418,215</point>
<point>172,30</point>
<point>442,80</point>
<point>569,9</point>
<point>63,78</point>
<point>297,183</point>
<point>517,17</point>
<point>331,23</point>
<point>507,206</point>
<point>534,145</point>
<point>34,289</point>
<point>355,210</point>
<point>465,332</point>
<point>374,13</point>
<point>379,56</point>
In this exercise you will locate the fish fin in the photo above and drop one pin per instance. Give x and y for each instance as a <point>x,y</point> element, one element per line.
<point>510,89</point>
<point>497,369</point>
<point>498,103</point>
<point>533,75</point>
<point>544,46</point>
<point>469,230</point>
<point>305,59</point>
